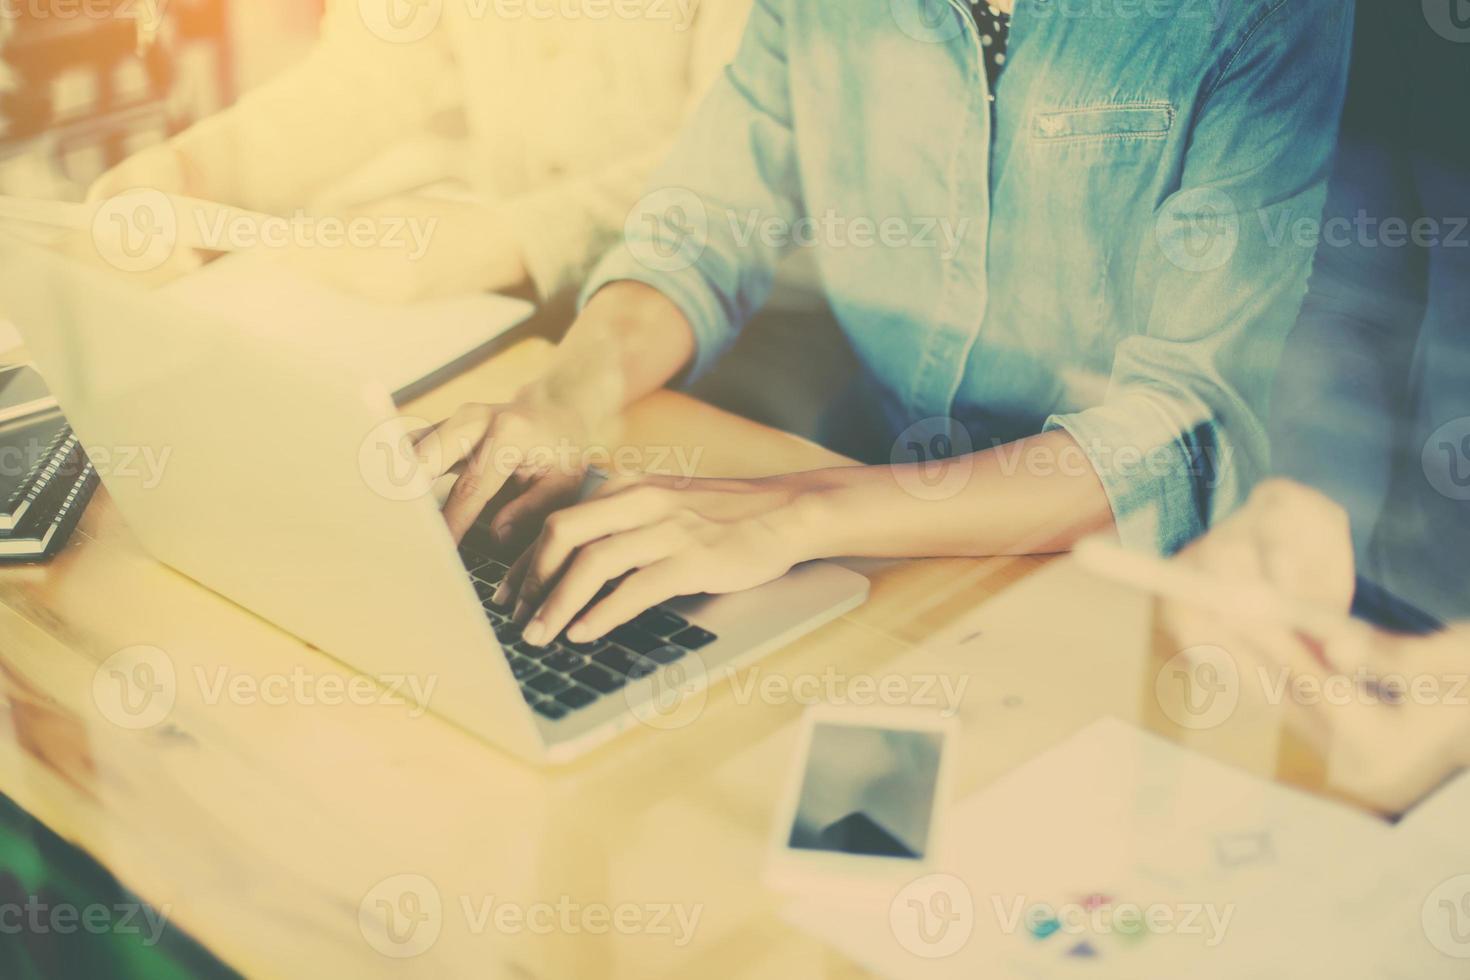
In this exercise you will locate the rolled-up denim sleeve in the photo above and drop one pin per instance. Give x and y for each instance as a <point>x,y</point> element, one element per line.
<point>702,233</point>
<point>1180,438</point>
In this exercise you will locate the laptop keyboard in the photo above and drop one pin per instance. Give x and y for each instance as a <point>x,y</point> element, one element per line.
<point>563,677</point>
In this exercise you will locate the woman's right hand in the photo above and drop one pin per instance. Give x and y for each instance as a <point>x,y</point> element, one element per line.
<point>532,452</point>
<point>529,449</point>
<point>163,167</point>
<point>118,214</point>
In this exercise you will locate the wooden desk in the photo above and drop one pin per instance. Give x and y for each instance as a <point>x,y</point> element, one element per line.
<point>262,829</point>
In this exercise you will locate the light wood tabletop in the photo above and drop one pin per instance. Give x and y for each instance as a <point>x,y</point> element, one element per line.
<point>272,826</point>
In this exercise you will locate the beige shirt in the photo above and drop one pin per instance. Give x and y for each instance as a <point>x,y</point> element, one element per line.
<point>564,106</point>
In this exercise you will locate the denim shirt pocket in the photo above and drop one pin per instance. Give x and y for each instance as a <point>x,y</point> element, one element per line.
<point>1117,122</point>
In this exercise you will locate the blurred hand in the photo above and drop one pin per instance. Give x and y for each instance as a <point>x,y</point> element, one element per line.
<point>161,168</point>
<point>1354,701</point>
<point>1395,727</point>
<point>657,538</point>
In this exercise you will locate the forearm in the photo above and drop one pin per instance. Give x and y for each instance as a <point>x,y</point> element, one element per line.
<point>1036,496</point>
<point>630,340</point>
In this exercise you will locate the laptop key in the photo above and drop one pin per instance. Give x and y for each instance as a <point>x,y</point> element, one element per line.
<point>493,571</point>
<point>661,622</point>
<point>547,683</point>
<point>602,681</point>
<point>531,696</point>
<point>622,661</point>
<point>666,654</point>
<point>576,697</point>
<point>636,638</point>
<point>565,661</point>
<point>586,649</point>
<point>527,650</point>
<point>480,538</point>
<point>523,669</point>
<point>551,709</point>
<point>473,558</point>
<point>484,590</point>
<point>508,632</point>
<point>693,638</point>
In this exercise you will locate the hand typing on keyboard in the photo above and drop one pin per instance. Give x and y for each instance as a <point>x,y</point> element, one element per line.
<point>519,444</point>
<point>645,543</point>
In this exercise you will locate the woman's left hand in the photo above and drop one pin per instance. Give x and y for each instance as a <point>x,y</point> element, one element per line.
<point>663,537</point>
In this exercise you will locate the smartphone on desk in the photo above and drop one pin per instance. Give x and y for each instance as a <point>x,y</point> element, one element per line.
<point>864,805</point>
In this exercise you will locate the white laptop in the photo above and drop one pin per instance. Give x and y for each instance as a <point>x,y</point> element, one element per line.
<point>291,490</point>
<point>401,346</point>
<point>408,347</point>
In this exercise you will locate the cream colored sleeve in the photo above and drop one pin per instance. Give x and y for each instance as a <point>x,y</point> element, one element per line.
<point>356,93</point>
<point>564,229</point>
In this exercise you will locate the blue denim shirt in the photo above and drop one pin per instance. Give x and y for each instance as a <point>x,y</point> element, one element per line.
<point>1118,253</point>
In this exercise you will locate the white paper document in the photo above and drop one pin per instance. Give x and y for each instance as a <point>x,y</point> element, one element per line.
<point>1121,855</point>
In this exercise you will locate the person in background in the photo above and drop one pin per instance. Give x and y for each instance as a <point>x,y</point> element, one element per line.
<point>1390,715</point>
<point>1048,235</point>
<point>555,116</point>
<point>1372,403</point>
